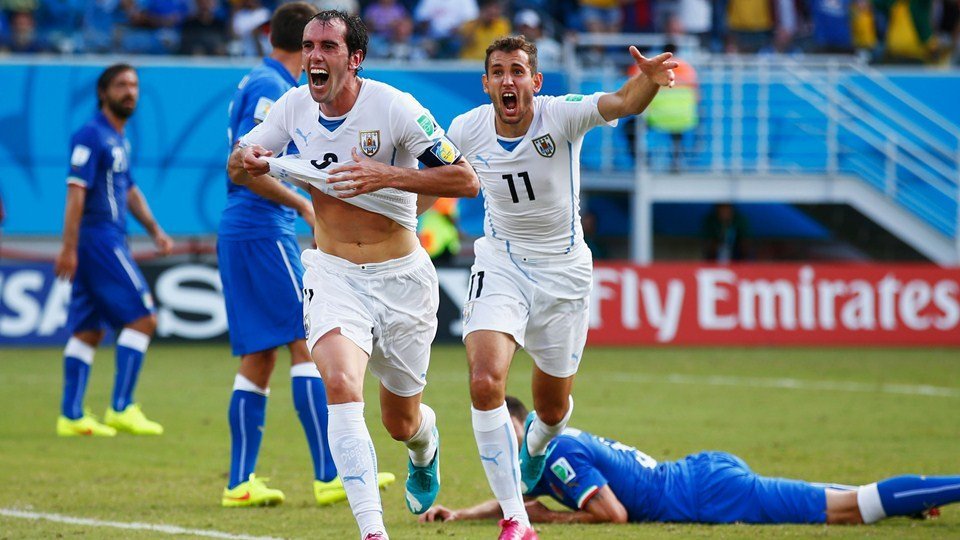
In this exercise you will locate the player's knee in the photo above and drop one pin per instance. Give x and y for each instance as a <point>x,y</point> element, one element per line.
<point>487,389</point>
<point>343,388</point>
<point>145,325</point>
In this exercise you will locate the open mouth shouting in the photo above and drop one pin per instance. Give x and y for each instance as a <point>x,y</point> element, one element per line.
<point>509,100</point>
<point>319,77</point>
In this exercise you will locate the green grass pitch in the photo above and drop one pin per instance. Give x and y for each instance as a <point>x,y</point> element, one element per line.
<point>833,415</point>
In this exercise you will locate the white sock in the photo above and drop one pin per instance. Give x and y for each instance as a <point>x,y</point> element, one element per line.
<point>133,339</point>
<point>305,369</point>
<point>423,445</point>
<point>498,445</point>
<point>539,435</point>
<point>242,383</point>
<point>356,461</point>
<point>868,500</point>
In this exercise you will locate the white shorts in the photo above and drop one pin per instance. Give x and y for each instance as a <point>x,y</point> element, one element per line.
<point>542,301</point>
<point>388,309</point>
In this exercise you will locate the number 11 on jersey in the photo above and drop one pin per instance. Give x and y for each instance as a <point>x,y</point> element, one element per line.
<point>526,183</point>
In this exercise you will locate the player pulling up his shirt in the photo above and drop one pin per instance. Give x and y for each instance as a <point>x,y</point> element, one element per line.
<point>370,290</point>
<point>530,284</point>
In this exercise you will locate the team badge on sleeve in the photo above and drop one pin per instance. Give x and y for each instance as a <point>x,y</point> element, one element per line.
<point>370,142</point>
<point>545,146</point>
<point>80,156</point>
<point>562,469</point>
<point>263,107</point>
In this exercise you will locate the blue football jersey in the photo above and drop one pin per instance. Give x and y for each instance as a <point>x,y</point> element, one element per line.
<point>248,215</point>
<point>100,162</point>
<point>579,464</point>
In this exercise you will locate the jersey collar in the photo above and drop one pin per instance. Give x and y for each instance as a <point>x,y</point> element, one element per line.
<point>279,68</point>
<point>102,120</point>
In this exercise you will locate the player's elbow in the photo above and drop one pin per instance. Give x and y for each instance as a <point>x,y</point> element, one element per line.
<point>619,515</point>
<point>471,183</point>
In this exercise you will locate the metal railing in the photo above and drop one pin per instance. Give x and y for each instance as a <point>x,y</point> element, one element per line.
<point>765,116</point>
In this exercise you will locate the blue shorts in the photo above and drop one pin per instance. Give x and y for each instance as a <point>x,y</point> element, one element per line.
<point>727,491</point>
<point>108,289</point>
<point>262,286</point>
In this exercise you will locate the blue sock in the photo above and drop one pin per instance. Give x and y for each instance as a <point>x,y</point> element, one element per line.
<point>131,347</point>
<point>909,495</point>
<point>248,411</point>
<point>310,401</point>
<point>77,358</point>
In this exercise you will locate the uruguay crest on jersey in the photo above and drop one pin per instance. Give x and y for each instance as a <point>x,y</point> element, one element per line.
<point>545,145</point>
<point>370,142</point>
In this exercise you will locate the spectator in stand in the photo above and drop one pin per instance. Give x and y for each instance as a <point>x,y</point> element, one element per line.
<point>863,26</point>
<point>479,33</point>
<point>725,235</point>
<point>832,26</point>
<point>787,19</point>
<point>602,16</point>
<point>205,31</point>
<point>439,20</point>
<point>749,25</point>
<point>351,7</point>
<point>910,37</point>
<point>249,27</point>
<point>14,6</point>
<point>154,25</point>
<point>949,28</point>
<point>391,31</point>
<point>23,33</point>
<point>100,25</point>
<point>695,18</point>
<point>527,23</point>
<point>57,23</point>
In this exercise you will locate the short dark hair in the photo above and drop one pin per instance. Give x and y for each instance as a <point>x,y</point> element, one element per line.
<point>356,32</point>
<point>286,25</point>
<point>510,44</point>
<point>517,409</point>
<point>107,77</point>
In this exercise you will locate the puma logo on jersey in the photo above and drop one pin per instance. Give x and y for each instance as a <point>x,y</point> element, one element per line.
<point>545,145</point>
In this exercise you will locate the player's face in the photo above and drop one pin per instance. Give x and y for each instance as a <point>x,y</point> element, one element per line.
<point>122,94</point>
<point>511,86</point>
<point>326,60</point>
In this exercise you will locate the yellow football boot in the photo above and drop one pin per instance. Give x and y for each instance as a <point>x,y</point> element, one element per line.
<point>132,420</point>
<point>332,492</point>
<point>253,492</point>
<point>86,425</point>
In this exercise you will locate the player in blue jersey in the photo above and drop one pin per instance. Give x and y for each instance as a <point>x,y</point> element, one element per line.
<point>262,277</point>
<point>602,480</point>
<point>108,288</point>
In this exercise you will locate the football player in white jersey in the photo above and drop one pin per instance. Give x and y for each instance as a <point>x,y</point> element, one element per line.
<point>530,283</point>
<point>370,290</point>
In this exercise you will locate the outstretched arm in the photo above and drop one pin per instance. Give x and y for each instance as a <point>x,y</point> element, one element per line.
<point>604,507</point>
<point>635,94</point>
<point>138,206</point>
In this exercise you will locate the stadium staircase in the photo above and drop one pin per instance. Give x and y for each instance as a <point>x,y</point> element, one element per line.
<point>784,129</point>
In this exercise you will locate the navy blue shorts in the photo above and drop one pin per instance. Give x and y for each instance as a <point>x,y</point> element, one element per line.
<point>729,492</point>
<point>262,286</point>
<point>108,289</point>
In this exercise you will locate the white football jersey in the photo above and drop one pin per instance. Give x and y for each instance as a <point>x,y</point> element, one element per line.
<point>531,185</point>
<point>384,124</point>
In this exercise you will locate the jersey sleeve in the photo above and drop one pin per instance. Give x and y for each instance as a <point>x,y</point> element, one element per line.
<point>419,134</point>
<point>84,158</point>
<point>577,114</point>
<point>262,95</point>
<point>570,472</point>
<point>271,133</point>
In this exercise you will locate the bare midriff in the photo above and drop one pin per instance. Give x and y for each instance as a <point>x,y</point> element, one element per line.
<point>357,235</point>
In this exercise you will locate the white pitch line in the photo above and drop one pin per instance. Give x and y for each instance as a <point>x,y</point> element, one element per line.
<point>166,529</point>
<point>794,384</point>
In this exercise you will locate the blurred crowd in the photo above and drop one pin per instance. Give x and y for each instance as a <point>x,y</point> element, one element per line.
<point>910,31</point>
